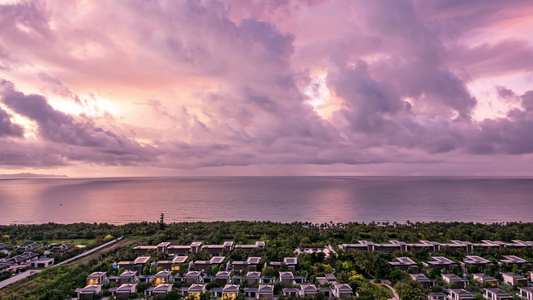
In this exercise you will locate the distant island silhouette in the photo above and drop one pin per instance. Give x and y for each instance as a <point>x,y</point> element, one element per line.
<point>31,175</point>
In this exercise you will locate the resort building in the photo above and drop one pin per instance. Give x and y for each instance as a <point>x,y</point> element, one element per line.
<point>441,263</point>
<point>159,291</point>
<point>496,294</point>
<point>249,248</point>
<point>286,278</point>
<point>484,278</point>
<point>342,290</point>
<point>460,294</point>
<point>514,279</point>
<point>454,281</point>
<point>424,245</point>
<point>96,278</point>
<point>476,261</point>
<point>124,291</point>
<point>128,277</point>
<point>423,280</point>
<point>526,293</point>
<point>223,277</point>
<point>265,292</point>
<point>252,278</point>
<point>163,277</point>
<point>511,260</point>
<point>290,292</point>
<point>404,264</point>
<point>291,262</point>
<point>230,291</point>
<point>308,290</point>
<point>437,296</point>
<point>89,292</point>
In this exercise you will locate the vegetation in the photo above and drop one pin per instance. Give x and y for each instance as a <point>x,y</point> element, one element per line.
<point>353,267</point>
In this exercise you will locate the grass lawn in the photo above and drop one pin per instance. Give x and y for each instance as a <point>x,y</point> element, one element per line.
<point>134,237</point>
<point>73,241</point>
<point>62,241</point>
<point>387,290</point>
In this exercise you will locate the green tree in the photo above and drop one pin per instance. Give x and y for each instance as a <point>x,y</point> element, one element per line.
<point>410,289</point>
<point>162,222</point>
<point>396,275</point>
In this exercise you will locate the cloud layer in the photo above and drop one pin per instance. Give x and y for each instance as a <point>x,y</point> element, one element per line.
<point>195,84</point>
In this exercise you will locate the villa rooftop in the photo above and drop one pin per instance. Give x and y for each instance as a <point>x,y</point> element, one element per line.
<point>473,259</point>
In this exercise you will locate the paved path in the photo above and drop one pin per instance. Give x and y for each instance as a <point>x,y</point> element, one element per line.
<point>88,252</point>
<point>18,277</point>
<point>22,275</point>
<point>387,284</point>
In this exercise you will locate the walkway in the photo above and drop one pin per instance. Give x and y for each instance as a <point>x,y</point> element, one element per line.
<point>22,275</point>
<point>387,284</point>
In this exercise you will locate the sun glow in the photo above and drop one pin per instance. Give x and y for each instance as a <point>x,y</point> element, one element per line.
<point>319,96</point>
<point>489,105</point>
<point>90,105</point>
<point>29,126</point>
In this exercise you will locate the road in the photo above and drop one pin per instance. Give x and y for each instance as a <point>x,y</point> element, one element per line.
<point>88,252</point>
<point>23,275</point>
<point>18,277</point>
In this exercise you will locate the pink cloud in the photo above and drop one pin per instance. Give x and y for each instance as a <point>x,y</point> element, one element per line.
<point>223,83</point>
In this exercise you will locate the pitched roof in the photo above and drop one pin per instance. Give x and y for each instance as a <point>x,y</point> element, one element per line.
<point>286,274</point>
<point>228,288</point>
<point>330,276</point>
<point>193,274</point>
<point>128,273</point>
<point>290,290</point>
<point>163,287</point>
<point>419,277</point>
<point>197,287</point>
<point>223,274</point>
<point>342,287</point>
<point>264,288</point>
<point>254,275</point>
<point>131,287</point>
<point>308,287</point>
<point>163,274</point>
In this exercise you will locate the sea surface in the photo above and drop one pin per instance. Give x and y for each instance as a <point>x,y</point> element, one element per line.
<point>280,199</point>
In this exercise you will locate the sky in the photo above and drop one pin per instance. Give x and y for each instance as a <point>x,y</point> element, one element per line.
<point>255,87</point>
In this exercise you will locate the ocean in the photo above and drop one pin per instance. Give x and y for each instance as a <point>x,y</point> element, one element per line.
<point>279,199</point>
